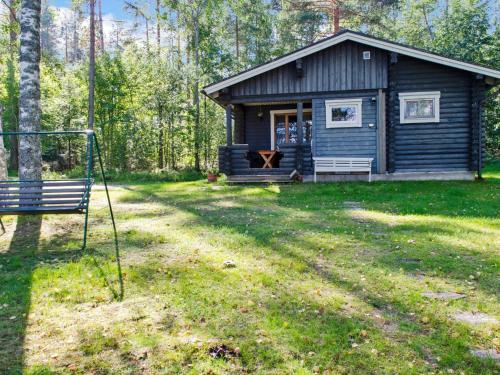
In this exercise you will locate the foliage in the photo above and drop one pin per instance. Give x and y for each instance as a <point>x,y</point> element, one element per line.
<point>149,114</point>
<point>492,120</point>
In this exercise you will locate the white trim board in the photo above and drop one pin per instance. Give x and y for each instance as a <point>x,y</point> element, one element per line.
<point>433,95</point>
<point>280,112</point>
<point>355,102</point>
<point>355,37</point>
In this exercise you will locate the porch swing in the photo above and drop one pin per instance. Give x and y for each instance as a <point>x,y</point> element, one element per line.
<point>41,197</point>
<point>71,196</point>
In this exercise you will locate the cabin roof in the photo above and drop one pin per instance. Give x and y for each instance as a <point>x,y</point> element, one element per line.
<point>355,36</point>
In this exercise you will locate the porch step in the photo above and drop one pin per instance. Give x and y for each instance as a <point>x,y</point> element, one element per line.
<point>263,178</point>
<point>261,171</point>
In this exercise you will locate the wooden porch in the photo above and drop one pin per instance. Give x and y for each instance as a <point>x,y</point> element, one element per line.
<point>233,161</point>
<point>255,130</point>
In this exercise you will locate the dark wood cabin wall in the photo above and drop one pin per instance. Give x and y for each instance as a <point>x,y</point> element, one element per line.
<point>439,146</point>
<point>239,124</point>
<point>478,90</point>
<point>346,142</point>
<point>338,68</point>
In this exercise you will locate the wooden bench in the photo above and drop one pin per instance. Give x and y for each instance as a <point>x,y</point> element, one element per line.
<point>40,197</point>
<point>327,164</point>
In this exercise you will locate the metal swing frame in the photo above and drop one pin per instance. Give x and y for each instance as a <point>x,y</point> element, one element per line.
<point>72,196</point>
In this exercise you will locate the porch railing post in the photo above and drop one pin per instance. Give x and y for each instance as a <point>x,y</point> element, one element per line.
<point>300,122</point>
<point>229,125</point>
<point>300,137</point>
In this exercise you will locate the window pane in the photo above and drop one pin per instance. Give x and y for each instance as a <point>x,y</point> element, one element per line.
<point>292,129</point>
<point>421,108</point>
<point>307,130</point>
<point>344,113</point>
<point>280,130</point>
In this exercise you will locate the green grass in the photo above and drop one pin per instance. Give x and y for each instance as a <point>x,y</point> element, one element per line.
<point>320,285</point>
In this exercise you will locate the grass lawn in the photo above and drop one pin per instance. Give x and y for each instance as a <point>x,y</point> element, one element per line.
<point>298,279</point>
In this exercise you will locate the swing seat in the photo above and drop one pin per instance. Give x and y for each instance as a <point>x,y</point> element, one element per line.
<point>44,197</point>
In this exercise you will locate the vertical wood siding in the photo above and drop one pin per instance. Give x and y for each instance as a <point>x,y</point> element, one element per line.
<point>346,142</point>
<point>430,146</point>
<point>337,68</point>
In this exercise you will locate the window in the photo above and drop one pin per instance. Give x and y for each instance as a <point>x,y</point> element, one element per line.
<point>284,129</point>
<point>419,107</point>
<point>343,113</point>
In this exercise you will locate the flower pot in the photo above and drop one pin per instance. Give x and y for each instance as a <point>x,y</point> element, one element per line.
<point>212,177</point>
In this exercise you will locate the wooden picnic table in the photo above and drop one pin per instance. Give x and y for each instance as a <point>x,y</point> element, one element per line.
<point>267,156</point>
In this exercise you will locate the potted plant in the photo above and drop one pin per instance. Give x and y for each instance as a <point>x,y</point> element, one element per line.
<point>212,175</point>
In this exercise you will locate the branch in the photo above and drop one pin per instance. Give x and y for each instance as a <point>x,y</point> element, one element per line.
<point>11,10</point>
<point>138,11</point>
<point>429,28</point>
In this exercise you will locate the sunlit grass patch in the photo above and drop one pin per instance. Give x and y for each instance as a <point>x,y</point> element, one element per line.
<point>289,279</point>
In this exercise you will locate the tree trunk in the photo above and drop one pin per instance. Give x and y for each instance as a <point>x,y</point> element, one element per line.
<point>161,139</point>
<point>158,30</point>
<point>336,16</point>
<point>101,29</point>
<point>427,23</point>
<point>66,44</point>
<point>161,135</point>
<point>147,34</point>
<point>91,65</point>
<point>76,37</point>
<point>30,155</point>
<point>12,92</point>
<point>206,139</point>
<point>237,32</point>
<point>3,159</point>
<point>196,94</point>
<point>179,53</point>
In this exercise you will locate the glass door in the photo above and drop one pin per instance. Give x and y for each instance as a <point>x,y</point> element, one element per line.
<point>286,129</point>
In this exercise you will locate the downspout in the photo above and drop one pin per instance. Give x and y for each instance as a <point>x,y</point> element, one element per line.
<point>480,103</point>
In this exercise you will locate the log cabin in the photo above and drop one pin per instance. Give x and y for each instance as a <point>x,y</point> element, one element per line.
<point>352,105</point>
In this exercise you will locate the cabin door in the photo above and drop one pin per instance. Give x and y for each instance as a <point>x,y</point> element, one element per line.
<point>286,131</point>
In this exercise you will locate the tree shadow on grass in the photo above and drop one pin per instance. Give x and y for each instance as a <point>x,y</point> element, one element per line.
<point>25,253</point>
<point>18,264</point>
<point>207,211</point>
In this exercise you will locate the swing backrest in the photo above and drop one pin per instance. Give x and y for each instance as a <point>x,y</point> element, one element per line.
<point>19,197</point>
<point>38,197</point>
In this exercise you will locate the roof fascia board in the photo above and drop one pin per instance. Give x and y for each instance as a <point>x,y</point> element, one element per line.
<point>426,56</point>
<point>275,64</point>
<point>356,38</point>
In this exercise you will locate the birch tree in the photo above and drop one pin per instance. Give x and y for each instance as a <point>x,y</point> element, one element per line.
<point>11,109</point>
<point>30,155</point>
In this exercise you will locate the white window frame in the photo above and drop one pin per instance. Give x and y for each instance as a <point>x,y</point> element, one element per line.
<point>283,112</point>
<point>358,123</point>
<point>428,95</point>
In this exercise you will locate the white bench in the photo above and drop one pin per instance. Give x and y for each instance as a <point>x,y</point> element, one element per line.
<point>326,164</point>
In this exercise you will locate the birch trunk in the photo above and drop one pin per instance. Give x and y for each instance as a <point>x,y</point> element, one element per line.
<point>30,155</point>
<point>91,113</point>
<point>13,100</point>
